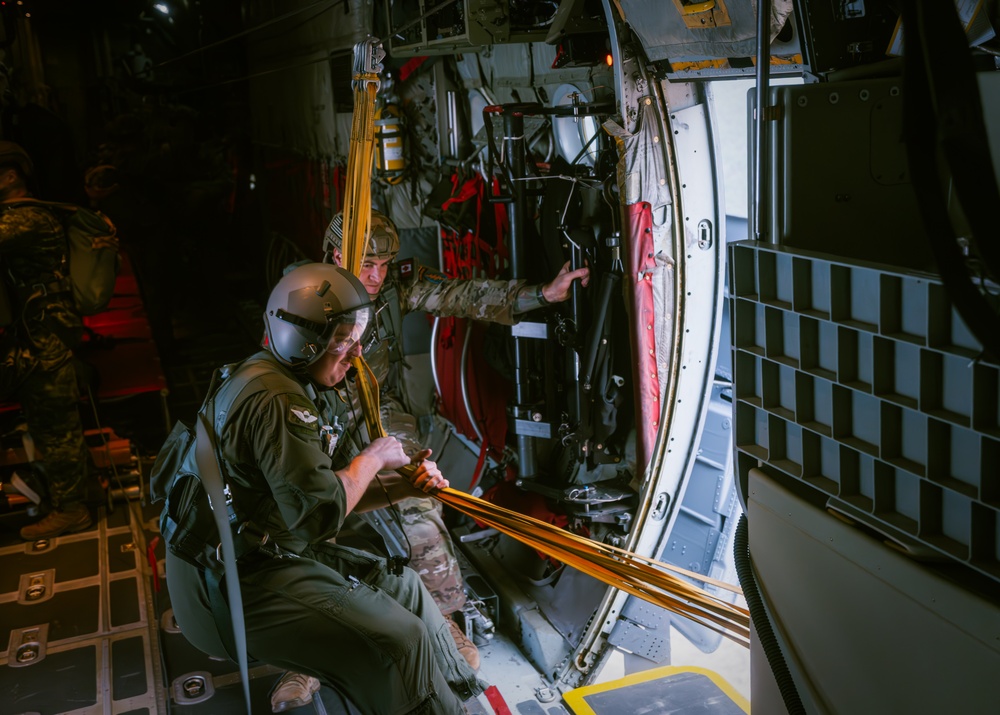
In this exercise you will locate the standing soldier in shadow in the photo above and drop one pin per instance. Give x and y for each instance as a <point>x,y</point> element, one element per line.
<point>36,349</point>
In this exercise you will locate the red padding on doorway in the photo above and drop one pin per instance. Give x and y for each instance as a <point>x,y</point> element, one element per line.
<point>641,262</point>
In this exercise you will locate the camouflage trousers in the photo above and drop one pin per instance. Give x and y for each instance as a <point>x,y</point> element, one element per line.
<point>432,555</point>
<point>42,378</point>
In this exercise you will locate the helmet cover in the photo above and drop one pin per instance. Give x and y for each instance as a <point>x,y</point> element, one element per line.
<point>12,154</point>
<point>383,239</point>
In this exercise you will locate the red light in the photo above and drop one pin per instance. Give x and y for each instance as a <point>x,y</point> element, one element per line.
<point>609,60</point>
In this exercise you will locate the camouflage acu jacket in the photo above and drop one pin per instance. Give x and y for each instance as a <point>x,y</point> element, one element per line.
<point>428,290</point>
<point>33,254</point>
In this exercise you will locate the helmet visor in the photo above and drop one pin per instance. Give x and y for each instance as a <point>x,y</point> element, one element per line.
<point>348,329</point>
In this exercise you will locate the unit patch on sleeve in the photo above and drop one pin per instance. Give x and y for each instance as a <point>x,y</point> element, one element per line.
<point>301,414</point>
<point>406,267</point>
<point>430,275</point>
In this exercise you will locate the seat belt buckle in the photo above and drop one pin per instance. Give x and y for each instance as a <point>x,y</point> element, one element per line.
<point>395,564</point>
<point>249,529</point>
<point>227,493</point>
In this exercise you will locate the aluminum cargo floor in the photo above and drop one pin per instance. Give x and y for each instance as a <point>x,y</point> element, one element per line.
<point>83,626</point>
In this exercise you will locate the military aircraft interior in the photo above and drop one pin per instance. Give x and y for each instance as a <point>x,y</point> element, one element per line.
<point>765,427</point>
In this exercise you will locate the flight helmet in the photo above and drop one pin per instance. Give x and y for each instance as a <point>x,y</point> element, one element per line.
<point>316,308</point>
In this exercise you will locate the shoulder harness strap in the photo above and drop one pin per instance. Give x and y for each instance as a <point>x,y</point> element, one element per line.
<point>393,320</point>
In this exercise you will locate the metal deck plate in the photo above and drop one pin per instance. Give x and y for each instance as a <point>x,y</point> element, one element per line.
<point>678,690</point>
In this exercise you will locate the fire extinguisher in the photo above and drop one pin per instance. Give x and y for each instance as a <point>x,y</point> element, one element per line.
<point>390,154</point>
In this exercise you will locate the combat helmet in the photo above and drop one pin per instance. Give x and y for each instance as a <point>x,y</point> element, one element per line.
<point>305,309</point>
<point>12,154</point>
<point>383,239</point>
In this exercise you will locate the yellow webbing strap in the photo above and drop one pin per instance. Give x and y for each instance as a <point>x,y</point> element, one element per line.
<point>358,199</point>
<point>368,397</point>
<point>644,578</point>
<point>358,190</point>
<point>637,575</point>
<point>357,217</point>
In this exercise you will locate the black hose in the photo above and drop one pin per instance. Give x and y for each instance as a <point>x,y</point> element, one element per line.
<point>609,281</point>
<point>942,50</point>
<point>761,623</point>
<point>920,134</point>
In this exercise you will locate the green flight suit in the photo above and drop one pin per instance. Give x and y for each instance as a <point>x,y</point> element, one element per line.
<point>325,610</point>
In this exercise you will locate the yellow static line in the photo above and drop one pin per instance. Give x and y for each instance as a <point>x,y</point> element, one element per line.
<point>644,578</point>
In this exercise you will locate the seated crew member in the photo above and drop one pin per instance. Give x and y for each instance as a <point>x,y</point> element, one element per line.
<point>324,610</point>
<point>432,553</point>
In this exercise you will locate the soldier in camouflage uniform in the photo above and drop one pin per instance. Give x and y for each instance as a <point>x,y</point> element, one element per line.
<point>36,349</point>
<point>428,290</point>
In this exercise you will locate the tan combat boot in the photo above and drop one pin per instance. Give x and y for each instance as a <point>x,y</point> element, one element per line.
<point>293,691</point>
<point>75,517</point>
<point>466,647</point>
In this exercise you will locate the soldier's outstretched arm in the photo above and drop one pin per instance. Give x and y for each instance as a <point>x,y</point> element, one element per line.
<point>493,301</point>
<point>558,289</point>
<point>531,297</point>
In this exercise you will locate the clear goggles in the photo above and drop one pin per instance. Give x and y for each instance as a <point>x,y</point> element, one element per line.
<point>349,329</point>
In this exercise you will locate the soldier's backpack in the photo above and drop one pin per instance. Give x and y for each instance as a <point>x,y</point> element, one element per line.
<point>187,524</point>
<point>92,256</point>
<point>190,528</point>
